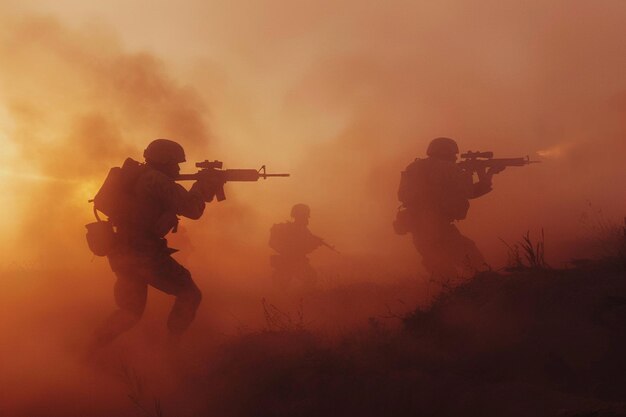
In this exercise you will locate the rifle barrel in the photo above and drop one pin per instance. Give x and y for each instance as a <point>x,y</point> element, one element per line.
<point>232,175</point>
<point>490,162</point>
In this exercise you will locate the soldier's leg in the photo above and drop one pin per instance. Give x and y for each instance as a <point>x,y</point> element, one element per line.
<point>281,275</point>
<point>475,260</point>
<point>435,256</point>
<point>308,275</point>
<point>466,253</point>
<point>281,278</point>
<point>172,278</point>
<point>130,297</point>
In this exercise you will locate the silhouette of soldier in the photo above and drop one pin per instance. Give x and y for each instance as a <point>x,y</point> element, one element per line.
<point>141,257</point>
<point>435,193</point>
<point>181,241</point>
<point>294,241</point>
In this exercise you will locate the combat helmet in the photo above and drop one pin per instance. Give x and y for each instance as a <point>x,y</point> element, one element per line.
<point>300,210</point>
<point>164,151</point>
<point>442,148</point>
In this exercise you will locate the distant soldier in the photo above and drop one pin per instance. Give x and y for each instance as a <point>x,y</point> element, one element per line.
<point>294,241</point>
<point>140,256</point>
<point>435,192</point>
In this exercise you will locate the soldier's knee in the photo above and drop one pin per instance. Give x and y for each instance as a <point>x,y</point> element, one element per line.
<point>132,310</point>
<point>118,322</point>
<point>192,296</point>
<point>196,296</point>
<point>129,318</point>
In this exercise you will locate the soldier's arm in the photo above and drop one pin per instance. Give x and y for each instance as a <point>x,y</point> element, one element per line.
<point>311,241</point>
<point>189,203</point>
<point>484,184</point>
<point>176,198</point>
<point>480,188</point>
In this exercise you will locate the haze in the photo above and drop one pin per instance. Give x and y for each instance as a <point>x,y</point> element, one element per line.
<point>341,94</point>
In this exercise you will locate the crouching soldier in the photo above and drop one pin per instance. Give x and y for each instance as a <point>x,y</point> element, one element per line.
<point>293,241</point>
<point>143,202</point>
<point>435,193</point>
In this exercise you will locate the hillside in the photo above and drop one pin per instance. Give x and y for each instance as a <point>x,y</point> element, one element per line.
<point>535,342</point>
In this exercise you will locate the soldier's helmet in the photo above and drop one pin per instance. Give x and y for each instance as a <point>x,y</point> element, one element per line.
<point>442,148</point>
<point>300,210</point>
<point>164,151</point>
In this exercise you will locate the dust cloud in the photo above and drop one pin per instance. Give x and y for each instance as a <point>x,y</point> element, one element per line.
<point>343,95</point>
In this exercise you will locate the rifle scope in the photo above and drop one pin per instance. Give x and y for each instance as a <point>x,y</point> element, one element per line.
<point>478,154</point>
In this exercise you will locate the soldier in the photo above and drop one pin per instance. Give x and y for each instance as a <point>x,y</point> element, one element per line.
<point>141,256</point>
<point>435,193</point>
<point>294,241</point>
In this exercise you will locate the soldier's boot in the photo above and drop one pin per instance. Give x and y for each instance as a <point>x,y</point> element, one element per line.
<point>183,312</point>
<point>471,258</point>
<point>118,322</point>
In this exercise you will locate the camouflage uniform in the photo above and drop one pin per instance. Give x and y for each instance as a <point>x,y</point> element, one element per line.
<point>141,256</point>
<point>439,195</point>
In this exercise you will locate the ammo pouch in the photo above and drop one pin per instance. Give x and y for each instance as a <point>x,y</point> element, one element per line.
<point>100,237</point>
<point>402,223</point>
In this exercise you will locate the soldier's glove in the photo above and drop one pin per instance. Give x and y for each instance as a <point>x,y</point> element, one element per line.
<point>485,175</point>
<point>495,170</point>
<point>207,189</point>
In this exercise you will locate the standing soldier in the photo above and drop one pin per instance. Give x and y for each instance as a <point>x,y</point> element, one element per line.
<point>435,192</point>
<point>294,241</point>
<point>140,256</point>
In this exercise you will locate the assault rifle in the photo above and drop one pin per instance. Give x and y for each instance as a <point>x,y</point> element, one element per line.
<point>328,245</point>
<point>212,171</point>
<point>479,161</point>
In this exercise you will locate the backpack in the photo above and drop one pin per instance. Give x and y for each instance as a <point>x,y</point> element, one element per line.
<point>278,234</point>
<point>114,199</point>
<point>435,187</point>
<point>409,183</point>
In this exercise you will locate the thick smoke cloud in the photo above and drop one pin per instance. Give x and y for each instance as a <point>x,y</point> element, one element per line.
<point>519,79</point>
<point>79,104</point>
<point>341,94</point>
<point>346,96</point>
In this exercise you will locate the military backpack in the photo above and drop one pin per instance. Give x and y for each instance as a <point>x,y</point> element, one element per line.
<point>115,200</point>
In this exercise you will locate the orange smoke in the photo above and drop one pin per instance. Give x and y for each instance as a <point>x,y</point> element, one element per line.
<point>337,98</point>
<point>343,95</point>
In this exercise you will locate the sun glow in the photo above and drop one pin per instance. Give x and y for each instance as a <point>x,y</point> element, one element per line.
<point>8,190</point>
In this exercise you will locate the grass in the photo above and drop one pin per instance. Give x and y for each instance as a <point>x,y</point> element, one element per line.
<point>278,320</point>
<point>527,253</point>
<point>137,394</point>
<point>496,345</point>
<point>607,234</point>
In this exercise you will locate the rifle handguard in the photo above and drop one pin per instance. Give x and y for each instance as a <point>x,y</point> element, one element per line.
<point>212,171</point>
